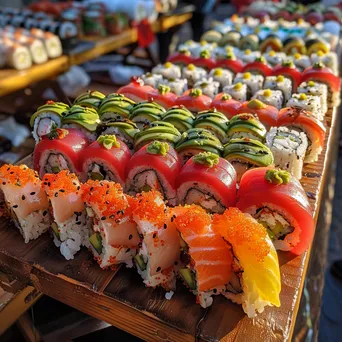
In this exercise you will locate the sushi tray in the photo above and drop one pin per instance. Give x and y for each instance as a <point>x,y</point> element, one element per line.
<point>181,213</point>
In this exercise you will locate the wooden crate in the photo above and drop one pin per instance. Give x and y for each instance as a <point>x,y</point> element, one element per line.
<point>120,298</point>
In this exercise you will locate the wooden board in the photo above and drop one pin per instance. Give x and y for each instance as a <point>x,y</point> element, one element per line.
<point>119,297</point>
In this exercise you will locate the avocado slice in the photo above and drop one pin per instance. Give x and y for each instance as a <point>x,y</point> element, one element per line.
<point>55,169</point>
<point>55,229</point>
<point>96,242</point>
<point>140,261</point>
<point>96,176</point>
<point>146,188</point>
<point>183,244</point>
<point>188,277</point>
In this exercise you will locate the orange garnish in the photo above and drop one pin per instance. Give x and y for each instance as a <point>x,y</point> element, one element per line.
<point>239,229</point>
<point>18,175</point>
<point>64,182</point>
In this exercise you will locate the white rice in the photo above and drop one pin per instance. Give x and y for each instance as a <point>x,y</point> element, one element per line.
<point>301,62</point>
<point>276,99</point>
<point>93,165</point>
<point>288,148</point>
<point>178,87</point>
<point>329,59</point>
<point>318,89</point>
<point>43,124</point>
<point>271,82</point>
<point>53,46</point>
<point>311,103</point>
<point>274,58</point>
<point>19,57</point>
<point>254,82</point>
<point>225,79</point>
<point>193,76</point>
<point>62,161</point>
<point>208,86</point>
<point>250,56</point>
<point>172,71</point>
<point>238,95</point>
<point>38,52</point>
<point>153,80</point>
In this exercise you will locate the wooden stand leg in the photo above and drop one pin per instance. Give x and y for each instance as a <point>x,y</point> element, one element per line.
<point>27,329</point>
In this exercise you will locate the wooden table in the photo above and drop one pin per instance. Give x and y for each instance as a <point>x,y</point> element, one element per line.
<point>12,80</point>
<point>120,298</point>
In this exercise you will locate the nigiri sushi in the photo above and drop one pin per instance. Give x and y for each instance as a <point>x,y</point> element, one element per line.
<point>26,201</point>
<point>256,281</point>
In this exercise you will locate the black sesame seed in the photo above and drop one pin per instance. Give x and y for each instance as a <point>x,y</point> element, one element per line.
<point>176,263</point>
<point>15,206</point>
<point>107,192</point>
<point>61,190</point>
<point>23,197</point>
<point>165,225</point>
<point>107,202</point>
<point>45,213</point>
<point>141,236</point>
<point>49,184</point>
<point>111,217</point>
<point>3,183</point>
<point>127,250</point>
<point>214,290</point>
<point>78,223</point>
<point>158,269</point>
<point>140,245</point>
<point>103,218</point>
<point>78,188</point>
<point>32,193</point>
<point>130,237</point>
<point>172,219</point>
<point>154,235</point>
<point>56,194</point>
<point>11,173</point>
<point>45,183</point>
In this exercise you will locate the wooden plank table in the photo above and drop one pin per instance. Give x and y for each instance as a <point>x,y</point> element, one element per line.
<point>12,80</point>
<point>120,298</point>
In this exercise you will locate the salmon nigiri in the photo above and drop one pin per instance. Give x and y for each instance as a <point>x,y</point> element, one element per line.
<point>206,258</point>
<point>256,280</point>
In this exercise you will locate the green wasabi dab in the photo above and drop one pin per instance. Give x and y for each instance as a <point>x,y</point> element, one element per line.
<point>277,177</point>
<point>206,158</point>
<point>158,147</point>
<point>108,141</point>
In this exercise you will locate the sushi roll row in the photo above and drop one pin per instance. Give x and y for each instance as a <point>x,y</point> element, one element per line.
<point>227,253</point>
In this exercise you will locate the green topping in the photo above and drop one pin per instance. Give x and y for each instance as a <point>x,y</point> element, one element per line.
<point>180,117</point>
<point>256,104</point>
<point>246,124</point>
<point>55,230</point>
<point>195,92</point>
<point>146,188</point>
<point>140,262</point>
<point>108,141</point>
<point>83,116</point>
<point>205,54</point>
<point>164,89</point>
<point>146,112</point>
<point>277,177</point>
<point>52,107</point>
<point>183,245</point>
<point>248,151</point>
<point>230,56</point>
<point>318,65</point>
<point>189,277</point>
<point>185,52</point>
<point>206,158</point>
<point>96,242</point>
<point>226,97</point>
<point>90,99</point>
<point>55,169</point>
<point>115,104</point>
<point>57,133</point>
<point>96,176</point>
<point>288,64</point>
<point>261,59</point>
<point>157,147</point>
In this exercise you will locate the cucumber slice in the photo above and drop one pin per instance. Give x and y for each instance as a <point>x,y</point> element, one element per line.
<point>95,176</point>
<point>55,229</point>
<point>183,244</point>
<point>146,188</point>
<point>189,277</point>
<point>55,169</point>
<point>140,261</point>
<point>96,242</point>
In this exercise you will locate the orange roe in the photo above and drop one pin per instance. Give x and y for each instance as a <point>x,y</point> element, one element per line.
<point>18,175</point>
<point>64,182</point>
<point>237,228</point>
<point>144,206</point>
<point>107,196</point>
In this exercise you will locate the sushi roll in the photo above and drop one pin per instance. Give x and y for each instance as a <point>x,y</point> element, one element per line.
<point>329,59</point>
<point>194,100</point>
<point>321,74</point>
<point>157,130</point>
<point>289,149</point>
<point>294,45</point>
<point>36,48</point>
<point>208,86</point>
<point>143,113</point>
<point>316,89</point>
<point>316,44</point>
<point>182,58</point>
<point>270,97</point>
<point>115,106</point>
<point>70,227</point>
<point>52,43</point>
<point>280,82</point>
<point>208,181</point>
<point>289,70</point>
<point>113,235</point>
<point>259,67</point>
<point>254,82</point>
<point>211,36</point>
<point>160,246</point>
<point>225,104</point>
<point>59,150</point>
<point>255,262</point>
<point>84,119</point>
<point>106,158</point>
<point>271,43</point>
<point>167,70</point>
<point>245,154</point>
<point>274,58</point>
<point>213,121</point>
<point>237,91</point>
<point>205,60</point>
<point>152,80</point>
<point>267,114</point>
<point>46,118</point>
<point>155,166</point>
<point>231,38</point>
<point>301,61</point>
<point>178,87</point>
<point>180,117</point>
<point>229,62</point>
<point>90,99</point>
<point>193,74</point>
<point>123,129</point>
<point>26,201</point>
<point>206,261</point>
<point>248,56</point>
<point>197,140</point>
<point>223,76</point>
<point>17,55</point>
<point>250,41</point>
<point>310,103</point>
<point>245,126</point>
<point>285,212</point>
<point>296,118</point>
<point>163,96</point>
<point>137,91</point>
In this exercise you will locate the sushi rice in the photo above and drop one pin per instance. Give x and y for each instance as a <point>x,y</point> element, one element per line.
<point>237,91</point>
<point>254,82</point>
<point>271,97</point>
<point>282,83</point>
<point>208,86</point>
<point>311,103</point>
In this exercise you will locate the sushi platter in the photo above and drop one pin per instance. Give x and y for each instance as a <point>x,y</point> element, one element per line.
<point>183,216</point>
